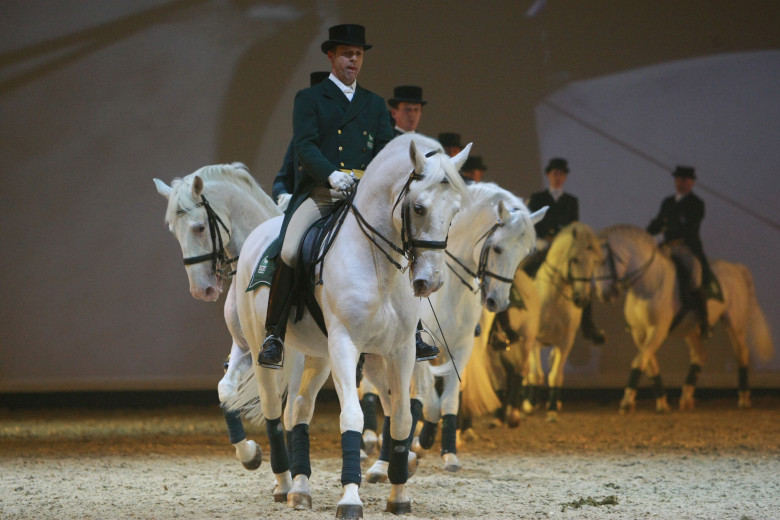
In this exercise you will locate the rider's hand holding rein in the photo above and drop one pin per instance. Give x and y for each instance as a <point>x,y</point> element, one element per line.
<point>340,180</point>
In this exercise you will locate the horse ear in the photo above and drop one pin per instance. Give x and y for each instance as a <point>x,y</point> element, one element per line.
<point>459,159</point>
<point>197,187</point>
<point>162,188</point>
<point>417,157</point>
<point>503,212</point>
<point>537,216</point>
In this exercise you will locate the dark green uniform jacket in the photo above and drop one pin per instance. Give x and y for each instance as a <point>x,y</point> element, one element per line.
<point>680,220</point>
<point>561,213</point>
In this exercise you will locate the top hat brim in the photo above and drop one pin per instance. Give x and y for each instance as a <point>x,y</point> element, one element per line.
<point>329,44</point>
<point>405,100</point>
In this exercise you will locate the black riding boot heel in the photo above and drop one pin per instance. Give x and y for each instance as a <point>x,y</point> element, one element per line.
<point>272,354</point>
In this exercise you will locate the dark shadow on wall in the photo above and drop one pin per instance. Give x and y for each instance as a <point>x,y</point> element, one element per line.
<point>256,88</point>
<point>70,48</point>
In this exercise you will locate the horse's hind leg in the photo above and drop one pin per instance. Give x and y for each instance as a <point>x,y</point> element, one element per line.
<point>698,356</point>
<point>739,344</point>
<point>315,372</point>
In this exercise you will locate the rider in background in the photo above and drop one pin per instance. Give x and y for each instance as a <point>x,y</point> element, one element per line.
<point>473,170</point>
<point>679,219</point>
<point>563,210</point>
<point>406,108</point>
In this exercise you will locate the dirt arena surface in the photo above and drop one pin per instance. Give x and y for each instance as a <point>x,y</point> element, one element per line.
<point>175,462</point>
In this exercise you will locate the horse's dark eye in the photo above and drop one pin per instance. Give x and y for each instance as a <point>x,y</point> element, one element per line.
<point>419,209</point>
<point>575,260</point>
<point>199,228</point>
<point>497,250</point>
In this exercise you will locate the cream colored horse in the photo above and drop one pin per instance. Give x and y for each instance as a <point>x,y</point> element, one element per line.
<point>653,310</point>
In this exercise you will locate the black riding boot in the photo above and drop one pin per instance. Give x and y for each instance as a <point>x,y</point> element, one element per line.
<point>589,329</point>
<point>424,350</point>
<point>272,354</point>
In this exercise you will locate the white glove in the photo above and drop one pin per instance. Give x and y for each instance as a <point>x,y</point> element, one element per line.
<point>283,201</point>
<point>542,244</point>
<point>340,180</point>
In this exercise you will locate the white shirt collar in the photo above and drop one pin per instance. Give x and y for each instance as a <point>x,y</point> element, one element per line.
<point>348,90</point>
<point>404,131</point>
<point>556,194</point>
<point>678,197</point>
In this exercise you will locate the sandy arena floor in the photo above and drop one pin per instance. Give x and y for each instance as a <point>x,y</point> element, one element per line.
<point>714,463</point>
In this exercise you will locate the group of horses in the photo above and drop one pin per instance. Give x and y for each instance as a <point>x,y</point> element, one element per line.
<point>416,243</point>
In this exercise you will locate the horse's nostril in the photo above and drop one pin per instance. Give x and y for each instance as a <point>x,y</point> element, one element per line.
<point>420,287</point>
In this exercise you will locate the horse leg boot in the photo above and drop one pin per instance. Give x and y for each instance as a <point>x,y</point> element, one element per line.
<point>248,452</point>
<point>589,329</point>
<point>425,351</point>
<point>279,300</point>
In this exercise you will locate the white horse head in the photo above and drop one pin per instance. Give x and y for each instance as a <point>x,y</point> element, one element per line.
<point>422,190</point>
<point>628,251</point>
<point>574,256</point>
<point>210,212</point>
<point>501,233</point>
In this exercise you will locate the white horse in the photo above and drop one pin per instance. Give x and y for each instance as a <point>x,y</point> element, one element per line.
<point>211,212</point>
<point>653,308</point>
<point>489,237</point>
<point>553,310</point>
<point>398,221</point>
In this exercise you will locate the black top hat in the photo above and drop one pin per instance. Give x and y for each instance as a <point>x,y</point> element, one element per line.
<point>474,162</point>
<point>345,34</point>
<point>315,78</point>
<point>557,164</point>
<point>406,93</point>
<point>686,172</point>
<point>450,139</point>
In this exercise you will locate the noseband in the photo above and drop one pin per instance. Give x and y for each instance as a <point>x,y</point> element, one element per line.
<point>220,262</point>
<point>482,271</point>
<point>408,244</point>
<point>620,285</point>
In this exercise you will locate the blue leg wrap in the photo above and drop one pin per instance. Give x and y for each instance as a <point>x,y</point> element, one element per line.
<point>693,374</point>
<point>398,469</point>
<point>742,375</point>
<point>658,387</point>
<point>368,404</point>
<point>279,461</point>
<point>235,427</point>
<point>428,434</point>
<point>384,452</point>
<point>448,425</point>
<point>633,379</point>
<point>350,457</point>
<point>300,462</point>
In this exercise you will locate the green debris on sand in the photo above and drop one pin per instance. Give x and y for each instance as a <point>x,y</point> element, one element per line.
<point>611,500</point>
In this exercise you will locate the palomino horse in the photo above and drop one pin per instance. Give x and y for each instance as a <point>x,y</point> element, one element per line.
<point>398,222</point>
<point>553,309</point>
<point>653,302</point>
<point>211,212</point>
<point>489,238</point>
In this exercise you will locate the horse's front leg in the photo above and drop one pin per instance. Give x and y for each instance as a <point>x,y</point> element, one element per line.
<point>314,374</point>
<point>555,377</point>
<point>399,374</point>
<point>239,363</point>
<point>344,357</point>
<point>449,417</point>
<point>534,380</point>
<point>648,339</point>
<point>697,355</point>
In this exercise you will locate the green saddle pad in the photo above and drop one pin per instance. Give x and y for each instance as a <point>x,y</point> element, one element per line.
<point>264,270</point>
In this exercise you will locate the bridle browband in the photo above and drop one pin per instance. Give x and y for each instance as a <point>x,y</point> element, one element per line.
<point>482,270</point>
<point>408,244</point>
<point>220,262</point>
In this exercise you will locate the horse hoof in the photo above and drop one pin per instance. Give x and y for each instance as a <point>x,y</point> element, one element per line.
<point>349,512</point>
<point>412,464</point>
<point>369,441</point>
<point>551,417</point>
<point>298,501</point>
<point>280,497</point>
<point>451,462</point>
<point>256,461</point>
<point>528,408</point>
<point>377,473</point>
<point>398,508</point>
<point>662,406</point>
<point>744,400</point>
<point>514,418</point>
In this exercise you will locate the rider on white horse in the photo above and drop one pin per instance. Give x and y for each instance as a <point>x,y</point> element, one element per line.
<point>338,127</point>
<point>679,219</point>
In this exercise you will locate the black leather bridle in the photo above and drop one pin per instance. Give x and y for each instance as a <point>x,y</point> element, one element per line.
<point>220,262</point>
